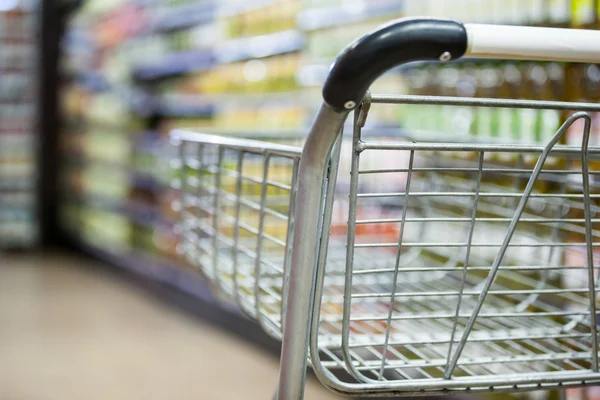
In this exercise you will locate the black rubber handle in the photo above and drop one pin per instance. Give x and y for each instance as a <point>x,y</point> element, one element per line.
<point>396,43</point>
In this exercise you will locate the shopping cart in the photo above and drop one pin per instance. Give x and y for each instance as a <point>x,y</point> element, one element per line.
<point>405,267</point>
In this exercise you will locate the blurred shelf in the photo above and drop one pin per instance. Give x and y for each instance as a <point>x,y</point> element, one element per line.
<point>105,203</point>
<point>146,182</point>
<point>230,8</point>
<point>140,213</point>
<point>9,240</point>
<point>137,178</point>
<point>174,64</point>
<point>21,70</point>
<point>182,17</point>
<point>245,48</point>
<point>348,13</point>
<point>143,214</point>
<point>186,106</point>
<point>212,101</point>
<point>17,184</point>
<point>92,80</point>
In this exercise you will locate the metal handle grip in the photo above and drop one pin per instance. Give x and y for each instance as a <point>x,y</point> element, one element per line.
<point>396,43</point>
<point>421,39</point>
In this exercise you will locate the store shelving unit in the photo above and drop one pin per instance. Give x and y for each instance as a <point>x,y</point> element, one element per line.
<point>18,128</point>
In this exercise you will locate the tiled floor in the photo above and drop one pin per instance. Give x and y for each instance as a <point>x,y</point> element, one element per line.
<point>68,332</point>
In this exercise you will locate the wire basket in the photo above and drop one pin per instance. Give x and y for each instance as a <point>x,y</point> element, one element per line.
<point>399,266</point>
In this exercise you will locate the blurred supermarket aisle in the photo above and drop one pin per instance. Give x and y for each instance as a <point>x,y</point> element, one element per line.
<point>72,331</point>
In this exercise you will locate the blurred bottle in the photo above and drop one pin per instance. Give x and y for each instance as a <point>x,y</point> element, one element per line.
<point>576,79</point>
<point>488,83</point>
<point>554,89</point>
<point>415,117</point>
<point>508,118</point>
<point>447,116</point>
<point>558,12</point>
<point>537,12</point>
<point>511,85</point>
<point>591,93</point>
<point>528,117</point>
<point>583,14</point>
<point>466,87</point>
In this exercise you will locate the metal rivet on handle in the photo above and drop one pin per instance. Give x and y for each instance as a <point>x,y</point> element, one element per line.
<point>446,56</point>
<point>349,104</point>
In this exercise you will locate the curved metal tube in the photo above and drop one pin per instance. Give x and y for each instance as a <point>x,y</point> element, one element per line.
<point>361,63</point>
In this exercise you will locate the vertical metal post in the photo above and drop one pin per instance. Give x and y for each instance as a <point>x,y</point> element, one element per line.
<point>589,238</point>
<point>288,239</point>
<point>216,217</point>
<point>259,240</point>
<point>307,218</point>
<point>236,230</point>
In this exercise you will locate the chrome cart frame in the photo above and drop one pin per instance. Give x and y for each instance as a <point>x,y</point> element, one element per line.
<point>464,290</point>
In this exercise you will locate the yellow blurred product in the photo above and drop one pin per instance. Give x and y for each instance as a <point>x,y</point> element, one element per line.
<point>75,100</point>
<point>292,63</point>
<point>256,21</point>
<point>247,19</point>
<point>236,80</point>
<point>100,179</point>
<point>196,124</point>
<point>106,230</point>
<point>234,26</point>
<point>269,18</point>
<point>107,108</point>
<point>108,146</point>
<point>582,13</point>
<point>276,74</point>
<point>213,81</point>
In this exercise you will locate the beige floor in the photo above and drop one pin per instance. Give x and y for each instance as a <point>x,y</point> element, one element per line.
<point>68,332</point>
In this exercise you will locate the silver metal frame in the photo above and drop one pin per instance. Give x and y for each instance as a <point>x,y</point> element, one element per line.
<point>513,382</point>
<point>424,313</point>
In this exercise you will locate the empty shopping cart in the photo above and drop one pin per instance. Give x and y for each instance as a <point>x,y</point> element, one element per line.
<point>405,267</point>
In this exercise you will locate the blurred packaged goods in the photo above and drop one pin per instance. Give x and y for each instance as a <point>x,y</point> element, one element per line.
<point>274,16</point>
<point>18,130</point>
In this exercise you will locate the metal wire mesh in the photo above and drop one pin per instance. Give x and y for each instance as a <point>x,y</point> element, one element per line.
<point>479,272</point>
<point>449,266</point>
<point>235,212</point>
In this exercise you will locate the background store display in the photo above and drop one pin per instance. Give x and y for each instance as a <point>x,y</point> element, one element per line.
<point>18,141</point>
<point>135,69</point>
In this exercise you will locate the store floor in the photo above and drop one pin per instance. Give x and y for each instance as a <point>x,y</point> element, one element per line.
<point>69,330</point>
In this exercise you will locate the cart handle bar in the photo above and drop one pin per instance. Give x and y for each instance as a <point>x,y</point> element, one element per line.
<point>422,39</point>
